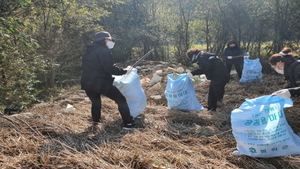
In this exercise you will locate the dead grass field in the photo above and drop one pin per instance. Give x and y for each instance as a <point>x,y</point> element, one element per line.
<point>46,136</point>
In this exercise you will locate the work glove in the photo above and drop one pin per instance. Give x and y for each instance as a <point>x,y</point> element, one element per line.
<point>229,57</point>
<point>246,55</point>
<point>129,70</point>
<point>285,93</point>
<point>189,74</point>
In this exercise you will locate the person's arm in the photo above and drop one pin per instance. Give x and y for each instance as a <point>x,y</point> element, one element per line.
<point>199,71</point>
<point>109,65</point>
<point>225,54</point>
<point>295,92</point>
<point>204,68</point>
<point>241,52</point>
<point>297,75</point>
<point>287,93</point>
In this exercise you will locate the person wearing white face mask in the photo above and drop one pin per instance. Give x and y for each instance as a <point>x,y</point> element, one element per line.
<point>98,67</point>
<point>287,63</point>
<point>231,55</point>
<point>110,44</point>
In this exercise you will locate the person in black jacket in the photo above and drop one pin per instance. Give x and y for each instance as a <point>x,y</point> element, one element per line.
<point>214,70</point>
<point>287,63</point>
<point>233,56</point>
<point>98,67</point>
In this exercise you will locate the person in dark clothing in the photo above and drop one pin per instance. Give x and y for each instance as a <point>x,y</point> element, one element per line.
<point>214,70</point>
<point>287,63</point>
<point>233,56</point>
<point>98,67</point>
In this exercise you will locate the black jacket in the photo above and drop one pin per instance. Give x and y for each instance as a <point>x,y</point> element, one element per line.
<point>213,68</point>
<point>292,75</point>
<point>98,68</point>
<point>235,51</point>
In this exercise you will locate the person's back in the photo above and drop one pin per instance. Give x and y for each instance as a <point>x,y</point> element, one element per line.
<point>217,71</point>
<point>287,64</point>
<point>91,63</point>
<point>293,75</point>
<point>95,62</point>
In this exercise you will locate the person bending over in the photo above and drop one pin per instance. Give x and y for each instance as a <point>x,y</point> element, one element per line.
<point>287,64</point>
<point>214,70</point>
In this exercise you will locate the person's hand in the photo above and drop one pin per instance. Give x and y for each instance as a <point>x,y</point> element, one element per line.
<point>189,74</point>
<point>229,57</point>
<point>129,68</point>
<point>285,93</point>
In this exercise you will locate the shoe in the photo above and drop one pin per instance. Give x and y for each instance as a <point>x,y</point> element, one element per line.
<point>137,117</point>
<point>129,126</point>
<point>295,155</point>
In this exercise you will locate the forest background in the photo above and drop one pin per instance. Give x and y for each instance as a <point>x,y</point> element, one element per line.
<point>42,41</point>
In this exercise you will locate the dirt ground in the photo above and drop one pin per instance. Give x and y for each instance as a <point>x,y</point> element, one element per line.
<point>52,135</point>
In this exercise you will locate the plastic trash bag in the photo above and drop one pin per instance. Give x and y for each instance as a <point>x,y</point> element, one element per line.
<point>130,86</point>
<point>261,130</point>
<point>180,93</point>
<point>252,71</point>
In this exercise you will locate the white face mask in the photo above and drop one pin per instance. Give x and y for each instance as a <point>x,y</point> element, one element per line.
<point>110,44</point>
<point>279,71</point>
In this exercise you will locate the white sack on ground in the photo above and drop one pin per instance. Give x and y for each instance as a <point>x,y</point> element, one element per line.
<point>180,93</point>
<point>252,71</point>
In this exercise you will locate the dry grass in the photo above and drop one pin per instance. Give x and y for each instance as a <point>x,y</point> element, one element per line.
<point>45,136</point>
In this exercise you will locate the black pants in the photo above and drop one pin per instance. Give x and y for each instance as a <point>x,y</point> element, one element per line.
<point>216,93</point>
<point>238,68</point>
<point>114,94</point>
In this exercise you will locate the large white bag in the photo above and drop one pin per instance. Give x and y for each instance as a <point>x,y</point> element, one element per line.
<point>180,93</point>
<point>130,86</point>
<point>252,71</point>
<point>261,130</point>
